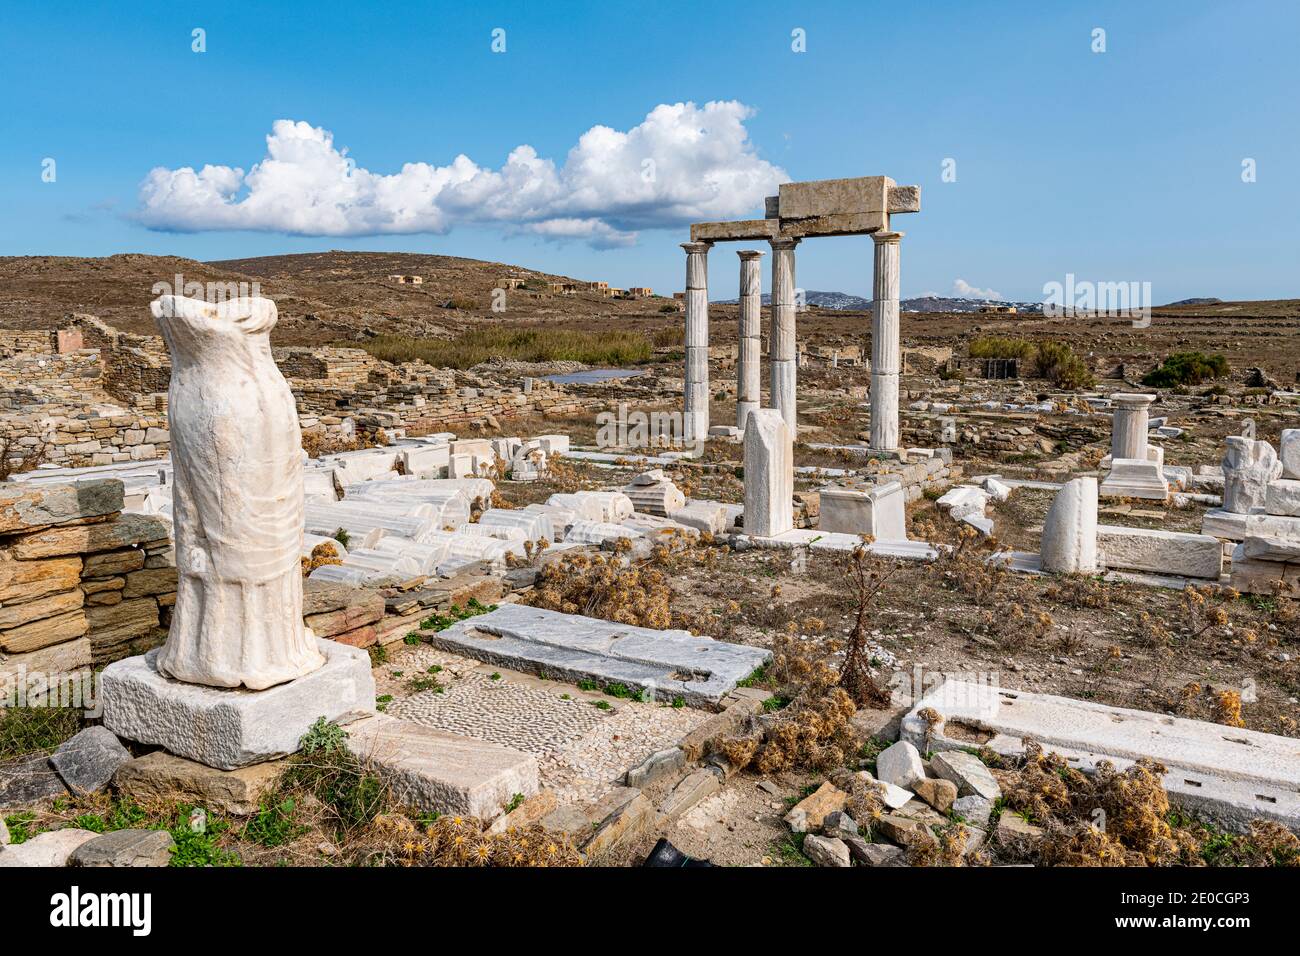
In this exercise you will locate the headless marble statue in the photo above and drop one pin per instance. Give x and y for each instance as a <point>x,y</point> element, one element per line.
<point>237,453</point>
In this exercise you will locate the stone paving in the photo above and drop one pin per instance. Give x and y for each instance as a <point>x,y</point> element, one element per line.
<point>589,766</point>
<point>583,750</point>
<point>526,718</point>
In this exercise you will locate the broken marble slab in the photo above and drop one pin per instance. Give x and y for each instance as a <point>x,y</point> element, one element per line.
<point>606,506</point>
<point>668,664</point>
<point>1231,526</point>
<point>426,556</point>
<point>1282,497</point>
<point>708,516</point>
<point>363,529</point>
<point>599,532</point>
<point>436,771</point>
<point>1264,548</point>
<point>1232,774</point>
<point>963,500</point>
<point>1163,552</point>
<point>535,526</point>
<point>836,541</point>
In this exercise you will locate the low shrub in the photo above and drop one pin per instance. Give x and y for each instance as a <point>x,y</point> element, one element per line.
<point>1186,368</point>
<point>1056,362</point>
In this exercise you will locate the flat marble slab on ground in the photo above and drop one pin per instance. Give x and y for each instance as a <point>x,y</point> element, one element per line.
<point>838,541</point>
<point>1233,773</point>
<point>570,647</point>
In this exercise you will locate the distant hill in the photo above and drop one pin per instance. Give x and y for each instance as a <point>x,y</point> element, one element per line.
<point>321,296</point>
<point>844,302</point>
<point>1206,301</point>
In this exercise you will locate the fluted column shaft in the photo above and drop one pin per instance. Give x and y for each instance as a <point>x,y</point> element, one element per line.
<point>886,355</point>
<point>783,357</point>
<point>696,397</point>
<point>749,358</point>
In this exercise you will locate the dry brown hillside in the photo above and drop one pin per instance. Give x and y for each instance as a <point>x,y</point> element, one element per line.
<point>333,296</point>
<point>322,296</point>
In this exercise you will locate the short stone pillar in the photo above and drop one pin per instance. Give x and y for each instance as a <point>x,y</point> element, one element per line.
<point>749,359</point>
<point>1128,434</point>
<point>695,406</point>
<point>886,356</point>
<point>769,474</point>
<point>1069,542</point>
<point>783,359</point>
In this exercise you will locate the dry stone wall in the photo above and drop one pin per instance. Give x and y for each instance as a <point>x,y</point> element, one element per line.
<point>81,583</point>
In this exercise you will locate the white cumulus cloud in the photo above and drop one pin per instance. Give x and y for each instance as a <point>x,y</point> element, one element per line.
<point>964,290</point>
<point>682,163</point>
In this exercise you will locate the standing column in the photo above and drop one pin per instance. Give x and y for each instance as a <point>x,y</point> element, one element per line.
<point>749,360</point>
<point>1128,434</point>
<point>885,352</point>
<point>696,398</point>
<point>781,348</point>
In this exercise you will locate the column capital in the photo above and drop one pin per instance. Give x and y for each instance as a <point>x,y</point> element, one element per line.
<point>693,247</point>
<point>1132,399</point>
<point>747,254</point>
<point>885,237</point>
<point>783,243</point>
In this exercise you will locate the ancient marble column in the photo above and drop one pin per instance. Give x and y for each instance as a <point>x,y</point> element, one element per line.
<point>885,353</point>
<point>769,474</point>
<point>749,360</point>
<point>1128,433</point>
<point>783,359</point>
<point>1069,540</point>
<point>238,498</point>
<point>696,397</point>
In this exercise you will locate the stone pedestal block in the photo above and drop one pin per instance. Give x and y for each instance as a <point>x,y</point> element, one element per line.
<point>1135,478</point>
<point>229,728</point>
<point>769,474</point>
<point>878,512</point>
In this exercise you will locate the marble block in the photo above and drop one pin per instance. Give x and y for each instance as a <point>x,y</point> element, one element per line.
<point>769,474</point>
<point>1282,497</point>
<point>1135,478</point>
<point>229,728</point>
<point>878,512</point>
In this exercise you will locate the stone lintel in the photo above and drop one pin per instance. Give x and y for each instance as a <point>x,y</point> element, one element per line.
<point>834,197</point>
<point>838,224</point>
<point>739,231</point>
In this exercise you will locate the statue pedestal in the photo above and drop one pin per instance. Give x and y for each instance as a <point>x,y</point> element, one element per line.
<point>229,728</point>
<point>1135,478</point>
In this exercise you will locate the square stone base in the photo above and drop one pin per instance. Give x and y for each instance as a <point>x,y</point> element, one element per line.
<point>1135,478</point>
<point>227,728</point>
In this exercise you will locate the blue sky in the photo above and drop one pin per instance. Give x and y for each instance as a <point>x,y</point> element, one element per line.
<point>1117,166</point>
